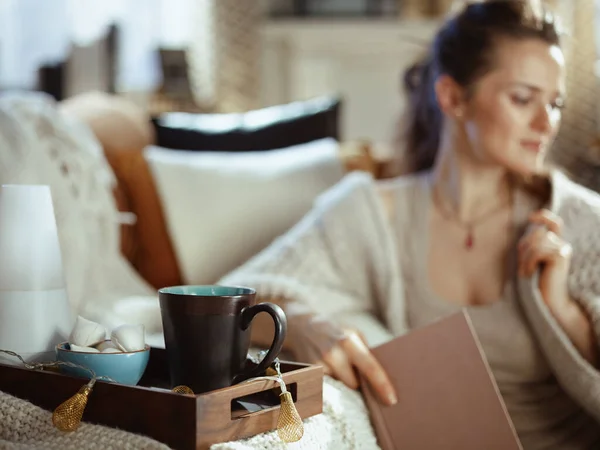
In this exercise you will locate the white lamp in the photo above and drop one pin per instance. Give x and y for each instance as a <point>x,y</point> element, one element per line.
<point>34,309</point>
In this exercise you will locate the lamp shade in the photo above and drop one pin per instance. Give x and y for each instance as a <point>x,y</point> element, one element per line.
<point>35,314</point>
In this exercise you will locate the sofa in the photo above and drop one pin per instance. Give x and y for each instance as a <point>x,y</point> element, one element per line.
<point>125,131</point>
<point>115,274</point>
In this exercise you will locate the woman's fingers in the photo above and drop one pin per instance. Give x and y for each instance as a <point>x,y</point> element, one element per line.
<point>341,367</point>
<point>362,358</point>
<point>351,354</point>
<point>542,246</point>
<point>545,217</point>
<point>326,369</point>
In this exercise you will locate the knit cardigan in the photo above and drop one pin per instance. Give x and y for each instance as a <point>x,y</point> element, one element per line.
<point>341,262</point>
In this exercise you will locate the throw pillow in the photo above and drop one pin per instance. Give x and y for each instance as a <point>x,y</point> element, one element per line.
<point>263,129</point>
<point>222,208</point>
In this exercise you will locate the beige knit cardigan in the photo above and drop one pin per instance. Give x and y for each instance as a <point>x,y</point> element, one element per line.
<point>341,262</point>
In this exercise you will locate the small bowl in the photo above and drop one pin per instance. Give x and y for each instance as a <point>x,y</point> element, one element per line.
<point>124,368</point>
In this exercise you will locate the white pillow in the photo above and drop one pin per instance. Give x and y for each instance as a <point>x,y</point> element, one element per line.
<point>223,208</point>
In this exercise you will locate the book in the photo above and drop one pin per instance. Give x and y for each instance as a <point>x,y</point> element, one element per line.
<point>447,396</point>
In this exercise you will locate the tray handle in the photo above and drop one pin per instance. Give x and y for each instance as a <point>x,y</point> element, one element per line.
<point>220,403</point>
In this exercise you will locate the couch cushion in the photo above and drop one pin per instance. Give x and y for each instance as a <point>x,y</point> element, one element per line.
<point>263,129</point>
<point>223,208</point>
<point>123,131</point>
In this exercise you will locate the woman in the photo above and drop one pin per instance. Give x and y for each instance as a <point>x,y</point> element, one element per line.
<point>481,225</point>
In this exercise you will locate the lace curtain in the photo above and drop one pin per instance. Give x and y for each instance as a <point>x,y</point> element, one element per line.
<point>574,149</point>
<point>225,53</point>
<point>221,36</point>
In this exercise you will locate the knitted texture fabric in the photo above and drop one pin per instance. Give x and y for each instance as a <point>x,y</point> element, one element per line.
<point>341,263</point>
<point>338,262</point>
<point>344,424</point>
<point>42,146</point>
<point>25,426</point>
<point>580,215</point>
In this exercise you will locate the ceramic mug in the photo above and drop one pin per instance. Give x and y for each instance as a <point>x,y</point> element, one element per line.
<point>207,334</point>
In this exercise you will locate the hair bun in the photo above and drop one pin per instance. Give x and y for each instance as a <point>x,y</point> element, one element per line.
<point>413,77</point>
<point>416,74</point>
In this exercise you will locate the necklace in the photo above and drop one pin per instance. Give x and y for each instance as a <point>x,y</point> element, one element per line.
<point>470,225</point>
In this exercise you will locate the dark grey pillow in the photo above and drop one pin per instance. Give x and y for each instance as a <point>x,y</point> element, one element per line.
<point>263,129</point>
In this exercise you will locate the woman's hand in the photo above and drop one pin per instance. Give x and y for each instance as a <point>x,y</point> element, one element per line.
<point>544,247</point>
<point>341,351</point>
<point>351,353</point>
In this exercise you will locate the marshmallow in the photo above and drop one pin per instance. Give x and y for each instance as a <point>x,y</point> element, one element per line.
<point>78,348</point>
<point>129,338</point>
<point>104,346</point>
<point>87,333</point>
<point>111,350</point>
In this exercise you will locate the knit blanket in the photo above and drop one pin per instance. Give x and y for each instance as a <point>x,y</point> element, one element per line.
<point>26,426</point>
<point>344,424</point>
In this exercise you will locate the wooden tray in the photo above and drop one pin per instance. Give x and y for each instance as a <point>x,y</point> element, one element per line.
<point>180,421</point>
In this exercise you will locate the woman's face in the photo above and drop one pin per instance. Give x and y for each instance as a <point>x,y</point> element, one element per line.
<point>514,111</point>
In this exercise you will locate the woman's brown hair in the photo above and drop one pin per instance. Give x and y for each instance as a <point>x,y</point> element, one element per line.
<point>462,49</point>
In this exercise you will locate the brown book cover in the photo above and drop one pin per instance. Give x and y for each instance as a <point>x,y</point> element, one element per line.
<point>447,396</point>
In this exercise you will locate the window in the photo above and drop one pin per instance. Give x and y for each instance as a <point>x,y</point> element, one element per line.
<point>35,33</point>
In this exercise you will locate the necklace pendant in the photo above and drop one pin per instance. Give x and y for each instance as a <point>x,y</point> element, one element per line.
<point>470,240</point>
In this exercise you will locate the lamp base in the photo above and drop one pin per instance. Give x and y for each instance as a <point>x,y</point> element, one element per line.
<point>34,322</point>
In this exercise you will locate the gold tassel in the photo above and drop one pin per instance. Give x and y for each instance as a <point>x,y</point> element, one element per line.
<point>289,425</point>
<point>183,390</point>
<point>67,416</point>
<point>273,373</point>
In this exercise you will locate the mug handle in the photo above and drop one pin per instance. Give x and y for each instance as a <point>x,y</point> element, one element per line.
<point>280,321</point>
